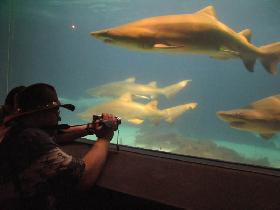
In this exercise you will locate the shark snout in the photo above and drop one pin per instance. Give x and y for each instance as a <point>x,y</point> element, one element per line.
<point>103,35</point>
<point>100,34</point>
<point>226,116</point>
<point>232,118</point>
<point>184,83</point>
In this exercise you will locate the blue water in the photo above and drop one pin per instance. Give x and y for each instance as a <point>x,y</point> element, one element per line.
<point>45,48</point>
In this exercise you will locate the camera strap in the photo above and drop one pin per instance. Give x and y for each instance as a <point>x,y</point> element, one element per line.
<point>118,148</point>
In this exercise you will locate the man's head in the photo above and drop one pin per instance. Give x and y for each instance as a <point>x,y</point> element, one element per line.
<point>38,106</point>
<point>9,106</point>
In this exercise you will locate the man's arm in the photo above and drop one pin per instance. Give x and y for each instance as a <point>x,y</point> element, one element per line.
<point>94,161</point>
<point>72,133</point>
<point>95,158</point>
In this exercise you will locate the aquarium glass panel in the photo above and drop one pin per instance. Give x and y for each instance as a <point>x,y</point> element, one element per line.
<point>196,78</point>
<point>5,41</point>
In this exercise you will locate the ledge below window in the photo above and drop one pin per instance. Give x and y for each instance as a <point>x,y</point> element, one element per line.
<point>188,183</point>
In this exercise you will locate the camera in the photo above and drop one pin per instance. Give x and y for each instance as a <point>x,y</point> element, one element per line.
<point>107,123</point>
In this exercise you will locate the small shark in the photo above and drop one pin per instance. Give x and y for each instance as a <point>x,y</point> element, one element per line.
<point>262,117</point>
<point>144,91</point>
<point>197,33</point>
<point>137,113</point>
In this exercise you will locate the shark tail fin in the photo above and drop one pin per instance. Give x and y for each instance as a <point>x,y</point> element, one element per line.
<point>172,90</point>
<point>246,33</point>
<point>174,112</point>
<point>270,57</point>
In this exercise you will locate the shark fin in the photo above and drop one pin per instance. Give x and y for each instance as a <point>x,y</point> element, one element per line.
<point>270,65</point>
<point>152,84</point>
<point>171,90</point>
<point>126,97</point>
<point>249,63</point>
<point>271,57</point>
<point>130,79</point>
<point>135,121</point>
<point>173,113</point>
<point>153,104</point>
<point>246,33</point>
<point>209,10</point>
<point>165,46</point>
<point>267,136</point>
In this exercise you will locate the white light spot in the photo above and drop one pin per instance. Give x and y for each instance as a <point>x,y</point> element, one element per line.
<point>73,27</point>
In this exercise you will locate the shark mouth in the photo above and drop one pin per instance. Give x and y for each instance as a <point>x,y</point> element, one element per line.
<point>235,118</point>
<point>226,116</point>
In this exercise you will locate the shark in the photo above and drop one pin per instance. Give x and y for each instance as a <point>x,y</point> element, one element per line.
<point>146,91</point>
<point>193,33</point>
<point>136,113</point>
<point>262,117</point>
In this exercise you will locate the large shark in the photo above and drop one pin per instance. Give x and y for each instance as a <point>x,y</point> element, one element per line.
<point>262,117</point>
<point>149,91</point>
<point>197,33</point>
<point>137,113</point>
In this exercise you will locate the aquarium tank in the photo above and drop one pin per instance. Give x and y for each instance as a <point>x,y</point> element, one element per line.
<point>196,78</point>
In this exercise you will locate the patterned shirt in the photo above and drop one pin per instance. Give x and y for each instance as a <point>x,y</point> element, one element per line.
<point>34,170</point>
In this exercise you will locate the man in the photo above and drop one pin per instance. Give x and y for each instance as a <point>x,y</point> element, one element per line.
<point>66,135</point>
<point>34,170</point>
<point>7,109</point>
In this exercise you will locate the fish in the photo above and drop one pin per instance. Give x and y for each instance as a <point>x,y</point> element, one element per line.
<point>136,113</point>
<point>261,117</point>
<point>200,32</point>
<point>144,91</point>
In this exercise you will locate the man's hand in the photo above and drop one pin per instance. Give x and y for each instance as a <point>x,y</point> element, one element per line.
<point>105,126</point>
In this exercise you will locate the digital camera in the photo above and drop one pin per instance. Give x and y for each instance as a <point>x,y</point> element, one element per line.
<point>107,123</point>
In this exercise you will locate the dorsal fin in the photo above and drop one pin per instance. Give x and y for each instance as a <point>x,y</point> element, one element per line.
<point>152,84</point>
<point>153,104</point>
<point>130,79</point>
<point>126,97</point>
<point>209,10</point>
<point>246,33</point>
